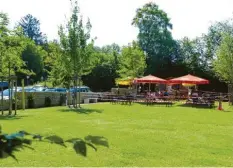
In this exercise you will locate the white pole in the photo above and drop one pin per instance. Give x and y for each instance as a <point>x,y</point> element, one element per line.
<point>149,87</point>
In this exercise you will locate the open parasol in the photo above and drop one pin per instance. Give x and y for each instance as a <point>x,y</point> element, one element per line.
<point>125,81</point>
<point>150,79</point>
<point>189,79</point>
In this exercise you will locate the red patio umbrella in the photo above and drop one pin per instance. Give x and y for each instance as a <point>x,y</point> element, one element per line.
<point>150,79</point>
<point>189,79</point>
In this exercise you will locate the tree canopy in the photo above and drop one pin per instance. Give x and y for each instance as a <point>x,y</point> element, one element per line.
<point>25,50</point>
<point>12,44</point>
<point>155,37</point>
<point>132,62</point>
<point>223,65</point>
<point>74,58</point>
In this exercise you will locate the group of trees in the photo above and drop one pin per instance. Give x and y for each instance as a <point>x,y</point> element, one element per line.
<point>204,56</point>
<point>25,50</point>
<point>19,53</point>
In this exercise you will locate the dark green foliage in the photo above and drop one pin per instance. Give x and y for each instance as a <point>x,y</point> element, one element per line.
<point>31,101</point>
<point>102,78</point>
<point>47,101</point>
<point>103,75</point>
<point>155,38</point>
<point>33,56</point>
<point>9,143</point>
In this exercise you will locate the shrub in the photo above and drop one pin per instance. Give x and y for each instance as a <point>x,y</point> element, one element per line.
<point>31,101</point>
<point>62,99</point>
<point>47,102</point>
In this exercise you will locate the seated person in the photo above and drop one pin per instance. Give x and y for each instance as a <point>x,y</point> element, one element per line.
<point>165,93</point>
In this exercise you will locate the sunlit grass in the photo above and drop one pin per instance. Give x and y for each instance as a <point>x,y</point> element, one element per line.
<point>138,135</point>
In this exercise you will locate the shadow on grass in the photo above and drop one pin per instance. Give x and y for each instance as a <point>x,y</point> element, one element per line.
<point>141,103</point>
<point>11,117</point>
<point>97,140</point>
<point>82,110</point>
<point>80,145</point>
<point>56,140</point>
<point>158,104</point>
<point>228,109</point>
<point>197,106</point>
<point>11,143</point>
<point>8,152</point>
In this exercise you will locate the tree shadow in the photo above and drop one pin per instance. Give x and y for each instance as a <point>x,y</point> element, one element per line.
<point>11,143</point>
<point>82,110</point>
<point>204,106</point>
<point>80,145</point>
<point>97,140</point>
<point>56,139</point>
<point>11,117</point>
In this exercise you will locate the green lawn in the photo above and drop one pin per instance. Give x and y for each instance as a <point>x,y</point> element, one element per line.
<point>137,135</point>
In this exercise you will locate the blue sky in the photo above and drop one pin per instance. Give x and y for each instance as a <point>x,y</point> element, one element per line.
<point>111,19</point>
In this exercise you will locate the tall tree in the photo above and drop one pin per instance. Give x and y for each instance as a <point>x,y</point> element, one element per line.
<point>214,36</point>
<point>4,21</point>
<point>75,47</point>
<point>155,37</point>
<point>132,61</point>
<point>12,43</point>
<point>31,28</point>
<point>223,65</point>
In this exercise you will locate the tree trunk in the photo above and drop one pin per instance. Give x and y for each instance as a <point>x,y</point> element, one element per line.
<point>79,93</point>
<point>68,96</point>
<point>16,97</point>
<point>2,97</point>
<point>231,97</point>
<point>10,97</point>
<point>230,94</point>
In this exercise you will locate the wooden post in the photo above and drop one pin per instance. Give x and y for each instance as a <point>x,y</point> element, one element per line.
<point>230,94</point>
<point>149,88</point>
<point>220,102</point>
<point>10,95</point>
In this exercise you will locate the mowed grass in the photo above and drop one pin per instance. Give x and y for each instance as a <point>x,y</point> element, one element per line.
<point>137,135</point>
